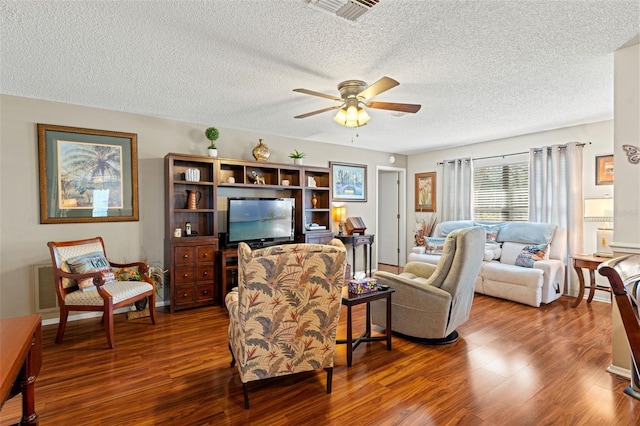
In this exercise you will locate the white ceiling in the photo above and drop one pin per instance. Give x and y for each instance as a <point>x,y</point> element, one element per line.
<point>482,70</point>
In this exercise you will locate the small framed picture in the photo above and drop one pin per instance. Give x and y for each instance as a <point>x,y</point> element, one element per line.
<point>426,192</point>
<point>604,170</point>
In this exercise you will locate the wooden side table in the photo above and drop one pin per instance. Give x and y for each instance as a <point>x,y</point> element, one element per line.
<point>591,263</point>
<point>350,300</point>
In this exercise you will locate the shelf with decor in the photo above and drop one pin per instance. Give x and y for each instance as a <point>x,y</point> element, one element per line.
<point>316,203</point>
<point>240,173</point>
<point>190,230</point>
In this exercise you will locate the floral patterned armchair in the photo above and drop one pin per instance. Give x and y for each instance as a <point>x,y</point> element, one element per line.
<point>284,313</point>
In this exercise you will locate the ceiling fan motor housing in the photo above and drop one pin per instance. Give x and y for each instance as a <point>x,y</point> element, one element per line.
<point>351,88</point>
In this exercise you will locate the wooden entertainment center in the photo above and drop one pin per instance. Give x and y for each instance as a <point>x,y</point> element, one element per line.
<point>201,268</point>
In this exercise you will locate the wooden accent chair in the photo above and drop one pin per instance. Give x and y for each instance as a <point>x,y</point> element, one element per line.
<point>284,313</point>
<point>85,281</point>
<point>624,276</point>
<point>431,301</point>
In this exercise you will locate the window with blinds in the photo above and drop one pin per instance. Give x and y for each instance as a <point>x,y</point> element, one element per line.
<point>501,192</point>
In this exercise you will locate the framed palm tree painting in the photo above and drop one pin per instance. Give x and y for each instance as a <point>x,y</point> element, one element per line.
<point>87,175</point>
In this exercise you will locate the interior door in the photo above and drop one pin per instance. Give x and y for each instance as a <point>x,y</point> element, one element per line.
<point>388,238</point>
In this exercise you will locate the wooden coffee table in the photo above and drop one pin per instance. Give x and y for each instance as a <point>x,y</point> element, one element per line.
<point>351,300</point>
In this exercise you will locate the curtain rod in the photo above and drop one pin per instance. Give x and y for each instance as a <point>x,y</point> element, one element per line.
<point>535,151</point>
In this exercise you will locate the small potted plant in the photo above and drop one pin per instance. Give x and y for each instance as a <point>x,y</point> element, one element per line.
<point>297,156</point>
<point>212,134</point>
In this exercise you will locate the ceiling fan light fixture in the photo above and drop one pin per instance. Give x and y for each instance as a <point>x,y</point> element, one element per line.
<point>353,115</point>
<point>363,117</point>
<point>354,94</point>
<point>341,116</point>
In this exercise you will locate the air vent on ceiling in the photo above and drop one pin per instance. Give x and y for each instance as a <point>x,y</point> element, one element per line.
<point>347,9</point>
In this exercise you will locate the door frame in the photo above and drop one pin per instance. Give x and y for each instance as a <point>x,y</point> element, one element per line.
<point>402,210</point>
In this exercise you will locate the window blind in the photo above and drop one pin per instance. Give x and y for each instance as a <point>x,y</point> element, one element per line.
<point>501,192</point>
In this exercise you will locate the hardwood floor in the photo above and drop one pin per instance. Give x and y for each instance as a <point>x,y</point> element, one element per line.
<point>513,365</point>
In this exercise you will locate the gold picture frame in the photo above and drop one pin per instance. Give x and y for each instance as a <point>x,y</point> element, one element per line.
<point>87,175</point>
<point>426,192</point>
<point>604,170</point>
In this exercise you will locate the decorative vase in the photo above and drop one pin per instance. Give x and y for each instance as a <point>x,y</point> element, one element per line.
<point>297,161</point>
<point>212,152</point>
<point>261,151</point>
<point>314,201</point>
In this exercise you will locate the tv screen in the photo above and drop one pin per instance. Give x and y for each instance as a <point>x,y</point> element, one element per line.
<point>260,221</point>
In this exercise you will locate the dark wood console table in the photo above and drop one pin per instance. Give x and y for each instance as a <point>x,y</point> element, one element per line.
<point>20,361</point>
<point>356,240</point>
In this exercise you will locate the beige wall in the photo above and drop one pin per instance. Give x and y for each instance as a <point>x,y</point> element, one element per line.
<point>22,237</point>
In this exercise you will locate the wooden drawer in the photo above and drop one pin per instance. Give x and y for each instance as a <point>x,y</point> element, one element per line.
<point>184,295</point>
<point>362,239</point>
<point>204,273</point>
<point>184,274</point>
<point>205,253</point>
<point>205,292</point>
<point>185,256</point>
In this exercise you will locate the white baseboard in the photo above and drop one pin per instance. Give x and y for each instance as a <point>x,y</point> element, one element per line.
<point>602,296</point>
<point>85,315</point>
<point>619,371</point>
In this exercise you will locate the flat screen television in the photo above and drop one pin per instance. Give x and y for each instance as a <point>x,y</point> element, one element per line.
<point>260,222</point>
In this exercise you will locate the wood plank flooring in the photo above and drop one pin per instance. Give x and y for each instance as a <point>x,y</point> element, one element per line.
<point>513,365</point>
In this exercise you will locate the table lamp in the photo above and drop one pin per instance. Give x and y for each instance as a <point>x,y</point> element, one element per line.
<point>601,210</point>
<point>340,215</point>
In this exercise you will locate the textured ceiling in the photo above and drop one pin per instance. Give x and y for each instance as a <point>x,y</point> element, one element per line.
<point>482,70</point>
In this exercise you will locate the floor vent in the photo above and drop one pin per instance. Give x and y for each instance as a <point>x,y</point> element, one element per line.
<point>44,288</point>
<point>348,9</point>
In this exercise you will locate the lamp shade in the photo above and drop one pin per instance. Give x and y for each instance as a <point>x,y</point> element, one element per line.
<point>598,209</point>
<point>339,213</point>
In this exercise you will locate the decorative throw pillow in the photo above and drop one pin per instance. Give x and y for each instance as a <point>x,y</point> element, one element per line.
<point>531,254</point>
<point>491,232</point>
<point>91,262</point>
<point>433,245</point>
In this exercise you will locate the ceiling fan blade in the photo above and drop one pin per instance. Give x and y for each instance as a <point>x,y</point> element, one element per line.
<point>382,85</point>
<point>322,95</point>
<point>309,114</point>
<point>394,106</point>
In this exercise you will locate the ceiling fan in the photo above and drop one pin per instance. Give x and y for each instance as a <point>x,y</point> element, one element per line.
<point>354,94</point>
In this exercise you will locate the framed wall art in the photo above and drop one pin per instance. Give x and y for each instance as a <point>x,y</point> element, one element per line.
<point>87,175</point>
<point>426,192</point>
<point>349,181</point>
<point>604,170</point>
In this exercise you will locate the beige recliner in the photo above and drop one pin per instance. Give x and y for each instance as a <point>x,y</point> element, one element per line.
<point>431,301</point>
